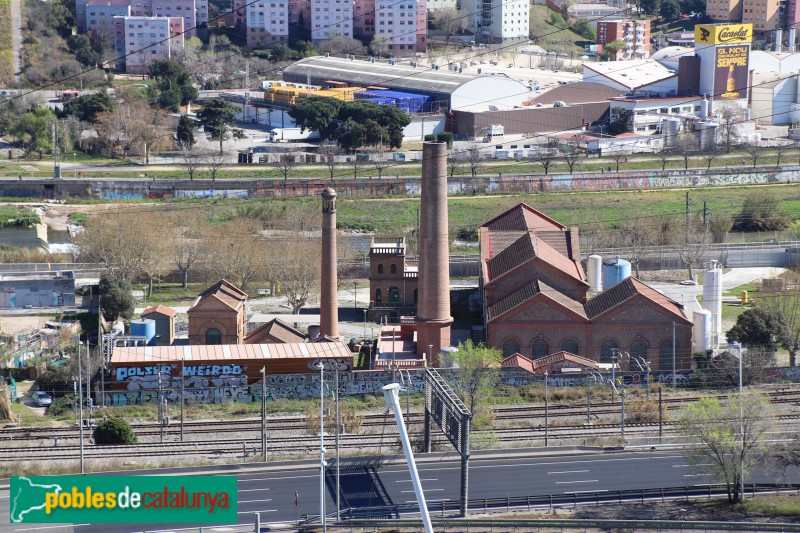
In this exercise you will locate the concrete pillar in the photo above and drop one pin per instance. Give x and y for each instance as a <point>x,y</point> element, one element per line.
<point>433,309</point>
<point>328,307</point>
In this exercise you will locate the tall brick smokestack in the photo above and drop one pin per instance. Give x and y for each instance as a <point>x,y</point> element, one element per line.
<point>433,309</point>
<point>329,308</point>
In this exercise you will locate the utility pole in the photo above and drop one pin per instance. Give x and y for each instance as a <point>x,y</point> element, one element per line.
<point>160,405</point>
<point>264,413</point>
<point>546,413</point>
<point>322,463</point>
<point>80,400</point>
<point>588,402</point>
<point>338,427</point>
<point>183,389</point>
<point>56,155</point>
<point>674,378</point>
<point>613,372</point>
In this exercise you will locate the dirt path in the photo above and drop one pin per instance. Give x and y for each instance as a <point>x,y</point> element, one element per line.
<point>16,38</point>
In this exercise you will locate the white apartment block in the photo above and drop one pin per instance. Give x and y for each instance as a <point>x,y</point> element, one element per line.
<point>267,22</point>
<point>201,12</point>
<point>147,40</point>
<point>396,24</point>
<point>500,20</point>
<point>435,5</point>
<point>184,9</point>
<point>331,18</point>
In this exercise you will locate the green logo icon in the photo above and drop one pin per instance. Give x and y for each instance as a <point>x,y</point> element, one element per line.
<point>123,499</point>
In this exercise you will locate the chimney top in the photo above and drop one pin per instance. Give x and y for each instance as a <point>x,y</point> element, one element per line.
<point>328,192</point>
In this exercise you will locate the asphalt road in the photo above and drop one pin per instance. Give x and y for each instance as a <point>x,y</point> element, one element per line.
<point>272,492</point>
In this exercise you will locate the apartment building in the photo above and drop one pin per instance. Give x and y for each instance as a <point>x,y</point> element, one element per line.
<point>500,21</point>
<point>635,33</point>
<point>396,25</point>
<point>764,15</point>
<point>185,9</point>
<point>267,22</point>
<point>331,18</point>
<point>147,40</point>
<point>364,19</point>
<point>99,14</point>
<point>724,10</point>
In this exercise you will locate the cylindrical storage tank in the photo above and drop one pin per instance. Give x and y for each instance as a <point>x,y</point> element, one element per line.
<point>144,327</point>
<point>712,299</point>
<point>670,126</point>
<point>701,331</point>
<point>313,331</point>
<point>792,39</point>
<point>614,271</point>
<point>708,134</point>
<point>704,107</point>
<point>117,328</point>
<point>745,114</point>
<point>595,265</point>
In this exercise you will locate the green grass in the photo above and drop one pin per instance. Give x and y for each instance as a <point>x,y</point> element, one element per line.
<point>11,215</point>
<point>773,505</point>
<point>77,219</point>
<point>6,45</point>
<point>171,294</point>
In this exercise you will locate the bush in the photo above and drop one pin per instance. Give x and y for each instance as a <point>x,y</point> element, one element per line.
<point>760,212</point>
<point>61,406</point>
<point>114,431</point>
<point>429,137</point>
<point>445,137</point>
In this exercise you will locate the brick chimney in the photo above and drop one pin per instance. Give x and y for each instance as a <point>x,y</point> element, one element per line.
<point>328,307</point>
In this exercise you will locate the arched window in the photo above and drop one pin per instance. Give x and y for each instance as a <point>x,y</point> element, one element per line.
<point>213,336</point>
<point>607,351</point>
<point>380,268</point>
<point>570,347</point>
<point>638,349</point>
<point>665,356</point>
<point>416,295</point>
<point>540,349</point>
<point>378,296</point>
<point>393,269</point>
<point>394,295</point>
<point>510,348</point>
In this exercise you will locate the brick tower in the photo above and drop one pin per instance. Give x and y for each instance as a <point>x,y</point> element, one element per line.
<point>328,306</point>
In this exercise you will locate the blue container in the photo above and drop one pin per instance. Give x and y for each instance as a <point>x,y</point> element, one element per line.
<point>614,271</point>
<point>408,102</point>
<point>144,328</point>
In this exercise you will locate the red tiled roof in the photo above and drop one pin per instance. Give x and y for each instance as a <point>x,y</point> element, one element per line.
<point>530,290</point>
<point>160,309</point>
<point>563,356</point>
<point>276,329</point>
<point>518,360</point>
<point>526,248</point>
<point>523,217</point>
<point>625,290</point>
<point>225,292</point>
<point>230,352</point>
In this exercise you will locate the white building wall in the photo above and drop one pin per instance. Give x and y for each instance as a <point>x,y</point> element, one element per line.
<point>201,12</point>
<point>270,15</point>
<point>500,20</point>
<point>396,23</point>
<point>487,91</point>
<point>185,9</point>
<point>773,105</point>
<point>331,18</point>
<point>146,41</point>
<point>433,5</point>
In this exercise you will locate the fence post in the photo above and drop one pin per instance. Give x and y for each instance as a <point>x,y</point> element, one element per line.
<point>258,521</point>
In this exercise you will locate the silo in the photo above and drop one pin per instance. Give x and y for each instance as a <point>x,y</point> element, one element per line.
<point>708,134</point>
<point>595,265</point>
<point>614,271</point>
<point>144,328</point>
<point>712,300</point>
<point>670,127</point>
<point>701,332</point>
<point>704,107</point>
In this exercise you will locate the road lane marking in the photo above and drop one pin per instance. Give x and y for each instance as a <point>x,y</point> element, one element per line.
<point>688,466</point>
<point>424,490</point>
<point>584,491</point>
<point>569,472</point>
<point>583,481</point>
<point>261,511</point>
<point>409,481</point>
<point>284,477</point>
<point>51,527</point>
<point>254,501</point>
<point>428,501</point>
<point>697,475</point>
<point>250,490</point>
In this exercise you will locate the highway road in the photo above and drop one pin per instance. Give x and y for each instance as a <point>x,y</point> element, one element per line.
<point>271,492</point>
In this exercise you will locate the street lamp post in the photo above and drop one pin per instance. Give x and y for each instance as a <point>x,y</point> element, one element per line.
<point>546,412</point>
<point>322,463</point>
<point>264,413</point>
<point>183,389</point>
<point>741,425</point>
<point>75,163</point>
<point>365,324</point>
<point>80,400</point>
<point>614,353</point>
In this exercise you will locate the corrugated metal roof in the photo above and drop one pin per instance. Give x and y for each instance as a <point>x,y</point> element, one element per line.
<point>231,352</point>
<point>365,74</point>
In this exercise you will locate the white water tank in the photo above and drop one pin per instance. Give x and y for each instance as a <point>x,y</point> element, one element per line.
<point>670,127</point>
<point>117,328</point>
<point>701,331</point>
<point>712,300</point>
<point>708,134</point>
<point>595,267</point>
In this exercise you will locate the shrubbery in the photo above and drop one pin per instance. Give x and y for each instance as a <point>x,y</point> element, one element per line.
<point>114,431</point>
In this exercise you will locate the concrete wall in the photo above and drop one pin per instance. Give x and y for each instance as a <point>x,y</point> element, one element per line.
<point>55,292</point>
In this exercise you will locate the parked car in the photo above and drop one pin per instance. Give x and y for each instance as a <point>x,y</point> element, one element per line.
<point>42,399</point>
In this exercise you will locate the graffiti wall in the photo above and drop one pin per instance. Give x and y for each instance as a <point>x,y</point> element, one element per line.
<point>233,387</point>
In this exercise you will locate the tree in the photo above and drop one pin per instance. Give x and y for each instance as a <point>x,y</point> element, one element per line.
<point>297,266</point>
<point>546,153</point>
<point>753,150</point>
<point>621,121</point>
<point>709,155</point>
<point>475,373</point>
<point>355,163</point>
<point>153,130</point>
<point>173,83</point>
<point>316,113</point>
<point>669,9</point>
<point>782,149</point>
<point>450,21</point>
<point>722,449</point>
<point>233,251</point>
<point>729,116</point>
<point>781,298</point>
<point>379,160</point>
<point>620,155</point>
<point>123,126</point>
<point>114,431</point>
<point>351,134</point>
<point>115,240</point>
<point>185,132</point>
<point>664,155</point>
<point>474,159</point>
<point>760,212</point>
<point>117,299</point>
<point>218,118</point>
<point>34,129</point>
<point>759,327</point>
<point>186,244</point>
<point>693,241</point>
<point>191,160</point>
<point>723,369</point>
<point>650,7</point>
<point>328,154</point>
<point>214,161</point>
<point>453,164</point>
<point>638,238</point>
<point>571,151</point>
<point>80,45</point>
<point>285,163</point>
<point>686,147</point>
<point>88,106</point>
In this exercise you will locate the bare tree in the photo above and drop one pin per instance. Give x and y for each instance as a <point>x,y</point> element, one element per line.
<point>686,148</point>
<point>693,241</point>
<point>191,159</point>
<point>571,151</point>
<point>709,155</point>
<point>379,160</point>
<point>594,234</point>
<point>297,266</point>
<point>638,237</point>
<point>618,157</point>
<point>187,241</point>
<point>285,163</point>
<point>233,251</point>
<point>329,153</point>
<point>664,155</point>
<point>122,127</point>
<point>451,21</point>
<point>474,160</point>
<point>729,118</point>
<point>754,150</point>
<point>214,161</point>
<point>453,164</point>
<point>781,296</point>
<point>546,153</point>
<point>355,163</point>
<point>153,130</point>
<point>782,149</point>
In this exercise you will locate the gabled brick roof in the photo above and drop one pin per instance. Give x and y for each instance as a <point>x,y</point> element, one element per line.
<point>518,360</point>
<point>523,217</point>
<point>275,329</point>
<point>160,309</point>
<point>525,248</point>
<point>225,292</point>
<point>625,290</point>
<point>528,291</point>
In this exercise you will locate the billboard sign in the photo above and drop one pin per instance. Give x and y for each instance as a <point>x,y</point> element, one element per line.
<point>723,33</point>
<point>731,72</point>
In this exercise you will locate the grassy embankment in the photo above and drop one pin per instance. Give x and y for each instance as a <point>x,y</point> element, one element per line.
<point>6,45</point>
